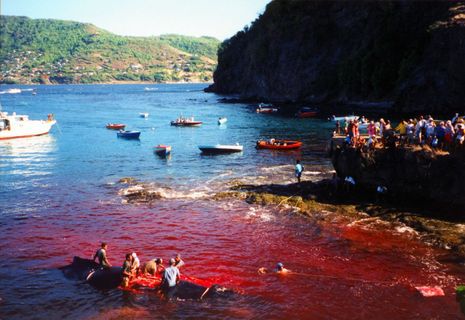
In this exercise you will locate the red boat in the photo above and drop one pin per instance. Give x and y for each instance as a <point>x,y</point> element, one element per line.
<point>307,113</point>
<point>162,150</point>
<point>116,126</point>
<point>278,144</point>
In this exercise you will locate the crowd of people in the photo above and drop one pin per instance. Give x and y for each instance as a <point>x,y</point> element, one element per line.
<point>439,134</point>
<point>132,268</point>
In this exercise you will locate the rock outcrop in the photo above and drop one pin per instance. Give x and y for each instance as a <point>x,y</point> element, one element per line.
<point>405,53</point>
<point>411,174</point>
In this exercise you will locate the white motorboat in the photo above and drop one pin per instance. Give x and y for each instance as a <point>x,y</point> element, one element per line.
<point>345,118</point>
<point>19,126</point>
<point>221,148</point>
<point>186,122</point>
<point>144,114</point>
<point>222,120</point>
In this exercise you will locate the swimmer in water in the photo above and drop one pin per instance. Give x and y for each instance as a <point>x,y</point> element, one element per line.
<point>279,269</point>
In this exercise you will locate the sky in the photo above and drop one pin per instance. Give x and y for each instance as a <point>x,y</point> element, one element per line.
<point>217,18</point>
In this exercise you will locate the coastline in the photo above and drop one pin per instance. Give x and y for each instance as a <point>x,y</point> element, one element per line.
<point>103,83</point>
<point>321,202</point>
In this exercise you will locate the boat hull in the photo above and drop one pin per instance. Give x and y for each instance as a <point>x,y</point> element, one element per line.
<point>115,126</point>
<point>267,110</point>
<point>129,135</point>
<point>279,145</point>
<point>162,151</point>
<point>347,118</point>
<point>186,124</point>
<point>220,149</point>
<point>29,129</point>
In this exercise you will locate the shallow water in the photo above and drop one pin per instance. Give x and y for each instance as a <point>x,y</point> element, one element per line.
<point>59,198</point>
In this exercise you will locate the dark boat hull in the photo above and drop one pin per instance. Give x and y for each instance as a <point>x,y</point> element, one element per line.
<point>129,135</point>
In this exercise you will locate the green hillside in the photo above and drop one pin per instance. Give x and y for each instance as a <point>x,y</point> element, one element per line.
<point>44,51</point>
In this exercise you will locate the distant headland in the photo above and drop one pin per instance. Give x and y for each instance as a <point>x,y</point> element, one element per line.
<point>46,51</point>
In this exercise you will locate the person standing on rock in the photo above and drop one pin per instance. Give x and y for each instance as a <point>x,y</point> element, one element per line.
<point>298,170</point>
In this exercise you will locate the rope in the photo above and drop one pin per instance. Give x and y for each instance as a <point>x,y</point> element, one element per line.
<point>205,292</point>
<point>339,278</point>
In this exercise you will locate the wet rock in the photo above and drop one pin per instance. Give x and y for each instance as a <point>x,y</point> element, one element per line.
<point>127,180</point>
<point>140,194</point>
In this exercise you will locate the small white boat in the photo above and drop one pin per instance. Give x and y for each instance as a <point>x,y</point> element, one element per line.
<point>222,120</point>
<point>221,148</point>
<point>11,91</point>
<point>144,114</point>
<point>186,122</point>
<point>266,108</point>
<point>149,89</point>
<point>19,126</point>
<point>345,118</point>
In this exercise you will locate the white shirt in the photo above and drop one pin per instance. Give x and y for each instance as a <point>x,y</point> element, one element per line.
<point>170,275</point>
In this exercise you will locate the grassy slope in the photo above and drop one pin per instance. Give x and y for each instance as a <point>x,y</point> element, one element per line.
<point>63,51</point>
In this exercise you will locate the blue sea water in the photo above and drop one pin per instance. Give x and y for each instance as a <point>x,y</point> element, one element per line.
<point>81,154</point>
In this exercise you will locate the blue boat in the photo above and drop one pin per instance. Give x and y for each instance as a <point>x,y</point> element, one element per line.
<point>128,134</point>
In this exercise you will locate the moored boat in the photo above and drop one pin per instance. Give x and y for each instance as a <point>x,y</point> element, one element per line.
<point>144,114</point>
<point>13,91</point>
<point>345,118</point>
<point>221,148</point>
<point>275,144</point>
<point>19,126</point>
<point>307,112</point>
<point>266,108</point>
<point>222,120</point>
<point>186,122</point>
<point>115,126</point>
<point>128,134</point>
<point>162,150</point>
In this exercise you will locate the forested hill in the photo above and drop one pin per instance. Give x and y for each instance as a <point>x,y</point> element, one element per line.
<point>55,51</point>
<point>408,53</point>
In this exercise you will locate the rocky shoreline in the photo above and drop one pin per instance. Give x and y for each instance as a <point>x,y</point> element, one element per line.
<point>324,203</point>
<point>321,201</point>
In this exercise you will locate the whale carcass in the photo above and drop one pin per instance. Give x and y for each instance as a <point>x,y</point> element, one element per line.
<point>110,278</point>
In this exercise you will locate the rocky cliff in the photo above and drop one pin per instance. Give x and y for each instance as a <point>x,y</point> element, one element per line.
<point>409,53</point>
<point>411,174</point>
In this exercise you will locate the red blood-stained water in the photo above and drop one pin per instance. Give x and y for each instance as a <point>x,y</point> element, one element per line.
<point>341,270</point>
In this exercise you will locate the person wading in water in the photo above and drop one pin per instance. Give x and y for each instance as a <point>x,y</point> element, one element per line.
<point>171,278</point>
